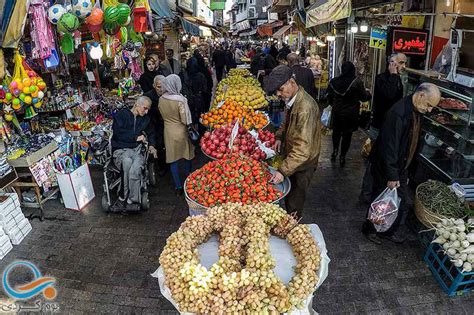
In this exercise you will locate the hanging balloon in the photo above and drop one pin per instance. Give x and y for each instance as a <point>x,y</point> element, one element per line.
<point>111,14</point>
<point>55,12</point>
<point>96,17</point>
<point>124,35</point>
<point>69,22</point>
<point>124,12</point>
<point>94,28</point>
<point>82,8</point>
<point>111,28</point>
<point>67,44</point>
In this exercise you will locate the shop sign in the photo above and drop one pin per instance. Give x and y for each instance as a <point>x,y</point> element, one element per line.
<point>408,21</point>
<point>409,42</point>
<point>378,38</point>
<point>187,5</point>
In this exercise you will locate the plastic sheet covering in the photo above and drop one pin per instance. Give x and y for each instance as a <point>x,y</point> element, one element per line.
<point>285,261</point>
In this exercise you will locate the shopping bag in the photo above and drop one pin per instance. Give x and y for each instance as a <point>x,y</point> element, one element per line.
<point>76,188</point>
<point>326,117</point>
<point>366,148</point>
<point>384,210</point>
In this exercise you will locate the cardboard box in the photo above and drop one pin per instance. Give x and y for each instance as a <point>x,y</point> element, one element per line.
<point>76,188</point>
<point>29,160</point>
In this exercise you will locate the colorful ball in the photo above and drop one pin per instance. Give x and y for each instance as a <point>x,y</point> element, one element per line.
<point>124,13</point>
<point>33,88</point>
<point>69,22</point>
<point>40,94</point>
<point>111,14</point>
<point>35,93</point>
<point>20,86</point>
<point>28,100</point>
<point>8,117</point>
<point>31,74</point>
<point>41,85</point>
<point>16,92</point>
<point>38,105</point>
<point>13,85</point>
<point>16,101</point>
<point>55,13</point>
<point>82,8</point>
<point>26,82</point>
<point>22,96</point>
<point>34,100</point>
<point>111,28</point>
<point>96,17</point>
<point>8,96</point>
<point>26,90</point>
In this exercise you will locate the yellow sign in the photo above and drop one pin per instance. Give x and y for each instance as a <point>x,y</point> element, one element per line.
<point>323,81</point>
<point>378,38</point>
<point>413,21</point>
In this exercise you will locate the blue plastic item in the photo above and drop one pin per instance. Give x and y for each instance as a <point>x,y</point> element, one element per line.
<point>449,277</point>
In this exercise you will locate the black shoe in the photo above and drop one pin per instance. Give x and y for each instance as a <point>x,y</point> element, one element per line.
<point>334,156</point>
<point>373,237</point>
<point>395,237</point>
<point>179,192</point>
<point>118,206</point>
<point>342,161</point>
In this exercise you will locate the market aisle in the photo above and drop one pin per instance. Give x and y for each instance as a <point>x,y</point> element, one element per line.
<point>102,262</point>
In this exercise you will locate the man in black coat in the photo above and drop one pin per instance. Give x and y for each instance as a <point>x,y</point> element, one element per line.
<point>388,89</point>
<point>285,50</point>
<point>303,75</point>
<point>393,151</point>
<point>218,61</point>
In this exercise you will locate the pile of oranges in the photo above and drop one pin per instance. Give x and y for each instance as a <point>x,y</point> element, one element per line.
<point>229,112</point>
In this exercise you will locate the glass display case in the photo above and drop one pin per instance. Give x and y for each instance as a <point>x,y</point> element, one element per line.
<point>447,137</point>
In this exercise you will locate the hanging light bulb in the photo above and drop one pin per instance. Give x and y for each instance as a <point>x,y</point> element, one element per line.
<point>184,37</point>
<point>364,27</point>
<point>330,38</point>
<point>354,28</point>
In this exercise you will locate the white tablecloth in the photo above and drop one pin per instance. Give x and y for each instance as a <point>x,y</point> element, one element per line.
<point>284,258</point>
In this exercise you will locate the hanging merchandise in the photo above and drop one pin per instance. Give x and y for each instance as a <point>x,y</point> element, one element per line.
<point>140,20</point>
<point>82,8</point>
<point>55,12</point>
<point>41,33</point>
<point>67,44</point>
<point>111,28</point>
<point>68,22</point>
<point>124,12</point>
<point>96,17</point>
<point>12,22</point>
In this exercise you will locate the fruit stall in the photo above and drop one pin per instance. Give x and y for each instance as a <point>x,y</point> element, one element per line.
<point>239,251</point>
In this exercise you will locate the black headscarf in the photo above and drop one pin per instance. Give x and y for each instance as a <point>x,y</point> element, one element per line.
<point>147,78</point>
<point>348,74</point>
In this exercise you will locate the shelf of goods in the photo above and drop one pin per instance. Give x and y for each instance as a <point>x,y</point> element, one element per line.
<point>447,137</point>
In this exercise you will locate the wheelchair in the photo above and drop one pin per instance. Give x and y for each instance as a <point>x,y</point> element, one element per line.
<point>112,182</point>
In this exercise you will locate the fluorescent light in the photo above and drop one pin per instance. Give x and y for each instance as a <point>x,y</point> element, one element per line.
<point>354,28</point>
<point>364,27</point>
<point>330,38</point>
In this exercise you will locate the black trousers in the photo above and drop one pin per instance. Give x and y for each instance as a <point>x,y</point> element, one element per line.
<point>378,186</point>
<point>219,73</point>
<point>342,129</point>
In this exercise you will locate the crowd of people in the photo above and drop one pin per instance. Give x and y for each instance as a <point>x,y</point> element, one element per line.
<point>175,96</point>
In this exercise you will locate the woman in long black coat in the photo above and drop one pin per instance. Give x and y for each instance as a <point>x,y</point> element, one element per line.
<point>345,93</point>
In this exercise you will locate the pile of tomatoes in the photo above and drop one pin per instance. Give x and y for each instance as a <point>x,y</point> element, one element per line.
<point>230,112</point>
<point>216,143</point>
<point>235,178</point>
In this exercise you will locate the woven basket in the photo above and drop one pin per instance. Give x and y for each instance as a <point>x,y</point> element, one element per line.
<point>427,217</point>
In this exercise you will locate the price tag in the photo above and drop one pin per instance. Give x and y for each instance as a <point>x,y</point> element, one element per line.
<point>455,116</point>
<point>439,142</point>
<point>434,123</point>
<point>457,135</point>
<point>233,134</point>
<point>220,104</point>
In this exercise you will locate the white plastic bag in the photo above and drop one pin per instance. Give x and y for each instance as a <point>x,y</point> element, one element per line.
<point>384,210</point>
<point>326,116</point>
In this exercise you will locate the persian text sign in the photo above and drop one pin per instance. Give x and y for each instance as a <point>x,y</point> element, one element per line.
<point>409,42</point>
<point>378,38</point>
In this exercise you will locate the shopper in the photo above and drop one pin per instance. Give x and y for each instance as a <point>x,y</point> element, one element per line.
<point>196,86</point>
<point>171,64</point>
<point>129,128</point>
<point>252,52</point>
<point>345,94</point>
<point>230,62</point>
<point>303,75</point>
<point>393,151</point>
<point>157,122</point>
<point>388,90</point>
<point>300,133</point>
<point>285,50</point>
<point>281,59</point>
<point>218,61</point>
<point>174,109</point>
<point>146,79</point>
<point>238,55</point>
<point>204,69</point>
<point>258,62</point>
<point>274,51</point>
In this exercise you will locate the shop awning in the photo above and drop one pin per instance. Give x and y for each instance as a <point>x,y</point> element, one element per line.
<point>267,29</point>
<point>252,32</point>
<point>161,8</point>
<point>323,11</point>
<point>205,31</point>
<point>281,31</point>
<point>189,27</point>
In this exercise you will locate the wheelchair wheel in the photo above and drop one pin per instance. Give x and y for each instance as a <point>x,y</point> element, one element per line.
<point>152,174</point>
<point>145,202</point>
<point>105,203</point>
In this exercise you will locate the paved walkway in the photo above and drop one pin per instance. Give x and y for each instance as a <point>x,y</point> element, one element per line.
<point>103,262</point>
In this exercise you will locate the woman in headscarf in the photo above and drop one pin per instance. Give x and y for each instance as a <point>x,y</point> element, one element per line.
<point>345,93</point>
<point>146,79</point>
<point>175,111</point>
<point>196,87</point>
<point>201,65</point>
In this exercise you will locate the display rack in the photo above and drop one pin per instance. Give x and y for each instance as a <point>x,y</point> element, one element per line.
<point>447,137</point>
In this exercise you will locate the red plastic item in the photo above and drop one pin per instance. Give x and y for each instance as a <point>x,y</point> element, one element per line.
<point>140,21</point>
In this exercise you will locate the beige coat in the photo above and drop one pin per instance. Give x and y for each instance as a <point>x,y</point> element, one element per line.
<point>177,143</point>
<point>301,135</point>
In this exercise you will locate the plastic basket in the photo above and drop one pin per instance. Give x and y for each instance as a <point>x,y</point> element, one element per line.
<point>450,278</point>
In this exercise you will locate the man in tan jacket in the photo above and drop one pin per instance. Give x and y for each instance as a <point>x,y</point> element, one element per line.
<point>300,134</point>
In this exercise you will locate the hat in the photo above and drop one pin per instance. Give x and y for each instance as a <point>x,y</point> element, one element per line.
<point>277,78</point>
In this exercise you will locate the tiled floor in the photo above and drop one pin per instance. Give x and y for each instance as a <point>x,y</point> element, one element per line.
<point>102,262</point>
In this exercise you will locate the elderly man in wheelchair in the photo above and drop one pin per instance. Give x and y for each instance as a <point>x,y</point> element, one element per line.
<point>128,140</point>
